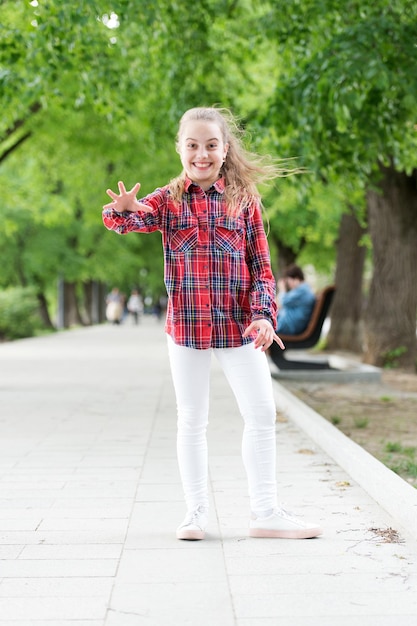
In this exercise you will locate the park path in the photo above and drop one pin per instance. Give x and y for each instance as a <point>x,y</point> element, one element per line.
<point>90,499</point>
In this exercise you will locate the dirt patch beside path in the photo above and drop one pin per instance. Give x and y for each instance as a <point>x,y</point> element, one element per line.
<point>380,417</point>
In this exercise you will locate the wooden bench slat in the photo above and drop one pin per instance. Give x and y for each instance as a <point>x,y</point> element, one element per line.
<point>309,337</point>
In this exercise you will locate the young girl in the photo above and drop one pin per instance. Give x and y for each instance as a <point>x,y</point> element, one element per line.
<point>221,300</point>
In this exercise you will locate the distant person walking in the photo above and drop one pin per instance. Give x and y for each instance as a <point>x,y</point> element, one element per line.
<point>135,306</point>
<point>221,301</point>
<point>114,306</point>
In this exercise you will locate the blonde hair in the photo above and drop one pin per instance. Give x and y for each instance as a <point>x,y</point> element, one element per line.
<point>243,170</point>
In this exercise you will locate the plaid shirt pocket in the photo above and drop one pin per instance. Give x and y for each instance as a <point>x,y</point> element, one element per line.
<point>229,234</point>
<point>184,235</point>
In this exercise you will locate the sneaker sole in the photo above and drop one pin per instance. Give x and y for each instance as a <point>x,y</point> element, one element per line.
<point>191,535</point>
<point>303,533</point>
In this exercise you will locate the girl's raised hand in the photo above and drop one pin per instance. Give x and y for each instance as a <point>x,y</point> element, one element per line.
<point>125,200</point>
<point>266,334</point>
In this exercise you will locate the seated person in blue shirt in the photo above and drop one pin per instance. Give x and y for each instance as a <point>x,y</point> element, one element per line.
<point>296,302</point>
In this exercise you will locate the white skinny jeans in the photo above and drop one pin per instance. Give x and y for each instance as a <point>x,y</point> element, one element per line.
<point>248,374</point>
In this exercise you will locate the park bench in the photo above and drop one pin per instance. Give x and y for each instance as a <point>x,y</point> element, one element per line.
<point>307,339</point>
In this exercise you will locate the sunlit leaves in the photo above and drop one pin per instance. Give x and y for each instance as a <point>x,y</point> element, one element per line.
<point>353,85</point>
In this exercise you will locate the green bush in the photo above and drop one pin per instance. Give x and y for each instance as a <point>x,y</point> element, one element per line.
<point>391,357</point>
<point>19,313</point>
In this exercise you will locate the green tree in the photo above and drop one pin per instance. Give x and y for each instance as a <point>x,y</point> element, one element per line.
<point>346,100</point>
<point>90,93</point>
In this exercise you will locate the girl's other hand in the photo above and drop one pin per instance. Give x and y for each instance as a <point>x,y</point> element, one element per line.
<point>125,200</point>
<point>266,334</point>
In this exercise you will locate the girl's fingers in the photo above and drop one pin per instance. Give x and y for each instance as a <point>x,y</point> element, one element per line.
<point>132,192</point>
<point>122,193</point>
<point>279,342</point>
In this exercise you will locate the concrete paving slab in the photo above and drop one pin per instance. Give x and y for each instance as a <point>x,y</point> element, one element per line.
<point>51,622</point>
<point>56,587</point>
<point>208,603</point>
<point>90,498</point>
<point>52,608</point>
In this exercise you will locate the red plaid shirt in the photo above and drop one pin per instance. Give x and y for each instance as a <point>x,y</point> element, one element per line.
<point>217,267</point>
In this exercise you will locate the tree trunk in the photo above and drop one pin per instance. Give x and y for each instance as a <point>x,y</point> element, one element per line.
<point>43,310</point>
<point>346,330</point>
<point>72,315</point>
<point>286,255</point>
<point>390,321</point>
<point>88,308</point>
<point>94,301</point>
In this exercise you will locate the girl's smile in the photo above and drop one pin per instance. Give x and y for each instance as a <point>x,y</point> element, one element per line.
<point>202,151</point>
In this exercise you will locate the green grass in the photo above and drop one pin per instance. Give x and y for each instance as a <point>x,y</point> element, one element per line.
<point>393,447</point>
<point>361,422</point>
<point>401,459</point>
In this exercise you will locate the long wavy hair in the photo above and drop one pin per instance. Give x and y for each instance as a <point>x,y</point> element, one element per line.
<point>242,170</point>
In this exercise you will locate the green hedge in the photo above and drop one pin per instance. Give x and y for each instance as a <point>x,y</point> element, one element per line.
<point>19,313</point>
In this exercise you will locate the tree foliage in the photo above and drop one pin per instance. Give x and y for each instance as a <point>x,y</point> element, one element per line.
<point>350,85</point>
<point>91,92</point>
<point>346,100</point>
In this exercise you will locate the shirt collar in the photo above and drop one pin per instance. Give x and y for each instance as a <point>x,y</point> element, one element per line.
<point>219,185</point>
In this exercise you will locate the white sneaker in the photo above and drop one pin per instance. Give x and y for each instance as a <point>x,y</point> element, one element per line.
<point>284,525</point>
<point>194,525</point>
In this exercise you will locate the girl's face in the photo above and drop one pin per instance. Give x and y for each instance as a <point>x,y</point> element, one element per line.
<point>202,151</point>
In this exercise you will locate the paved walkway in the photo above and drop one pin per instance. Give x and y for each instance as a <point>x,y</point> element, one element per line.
<point>90,499</point>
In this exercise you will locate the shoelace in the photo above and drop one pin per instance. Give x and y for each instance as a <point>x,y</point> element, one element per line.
<point>290,516</point>
<point>284,512</point>
<point>194,517</point>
